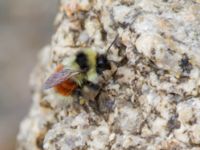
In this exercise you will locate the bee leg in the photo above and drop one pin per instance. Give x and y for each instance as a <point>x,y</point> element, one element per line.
<point>92,85</point>
<point>78,93</point>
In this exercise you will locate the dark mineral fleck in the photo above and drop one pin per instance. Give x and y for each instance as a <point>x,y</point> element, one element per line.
<point>173,123</point>
<point>185,64</point>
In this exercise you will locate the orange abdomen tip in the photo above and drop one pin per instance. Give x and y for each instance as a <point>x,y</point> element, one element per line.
<point>66,88</point>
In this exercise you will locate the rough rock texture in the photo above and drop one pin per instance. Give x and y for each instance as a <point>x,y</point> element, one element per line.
<point>154,93</point>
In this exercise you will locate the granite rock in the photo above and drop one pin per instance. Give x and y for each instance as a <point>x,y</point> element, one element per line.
<point>153,92</point>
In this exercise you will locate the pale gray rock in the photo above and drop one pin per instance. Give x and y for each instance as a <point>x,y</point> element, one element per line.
<point>153,92</point>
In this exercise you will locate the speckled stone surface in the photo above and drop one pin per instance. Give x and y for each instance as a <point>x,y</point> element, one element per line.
<point>154,92</point>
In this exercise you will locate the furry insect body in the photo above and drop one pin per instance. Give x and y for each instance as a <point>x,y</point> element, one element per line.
<point>83,69</point>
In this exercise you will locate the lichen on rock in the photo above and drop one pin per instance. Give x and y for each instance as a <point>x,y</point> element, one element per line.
<point>154,93</point>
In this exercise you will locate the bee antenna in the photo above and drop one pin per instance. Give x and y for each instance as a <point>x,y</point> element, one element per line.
<point>113,42</point>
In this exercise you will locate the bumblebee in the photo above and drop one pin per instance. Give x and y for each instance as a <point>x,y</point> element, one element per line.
<point>82,69</point>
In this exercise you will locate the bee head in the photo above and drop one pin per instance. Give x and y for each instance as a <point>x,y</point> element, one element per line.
<point>102,64</point>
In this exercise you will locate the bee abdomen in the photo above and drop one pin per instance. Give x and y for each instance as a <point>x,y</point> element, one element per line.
<point>66,88</point>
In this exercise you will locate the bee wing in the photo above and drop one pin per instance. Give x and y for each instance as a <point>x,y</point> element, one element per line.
<point>58,77</point>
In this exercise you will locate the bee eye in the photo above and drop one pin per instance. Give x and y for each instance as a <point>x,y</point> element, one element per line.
<point>102,64</point>
<point>82,61</point>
